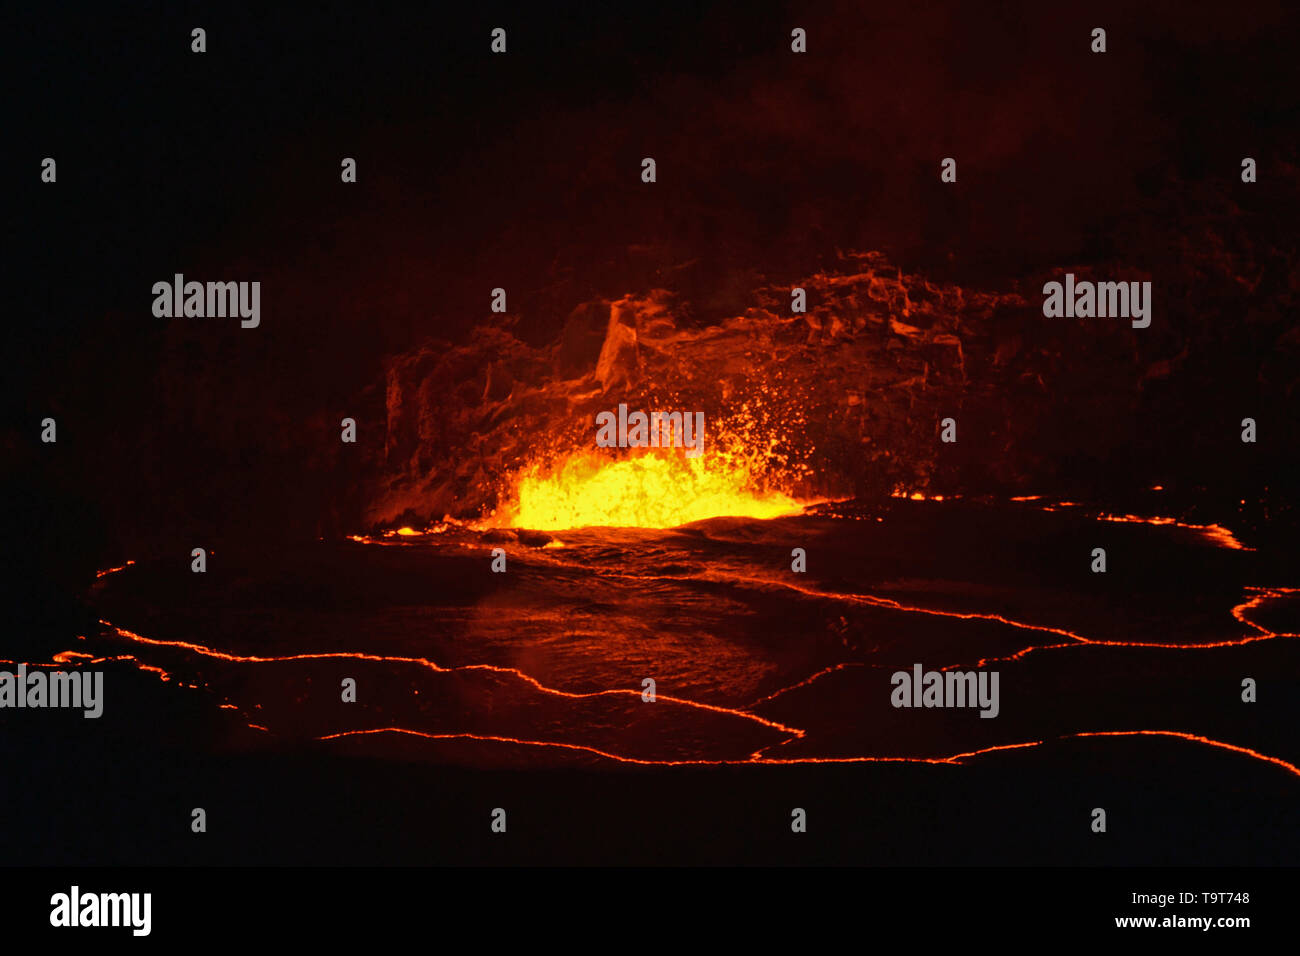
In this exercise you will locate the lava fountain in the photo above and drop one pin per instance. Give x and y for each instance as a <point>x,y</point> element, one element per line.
<point>653,490</point>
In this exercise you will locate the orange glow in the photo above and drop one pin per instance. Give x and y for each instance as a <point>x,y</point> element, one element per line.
<point>1215,532</point>
<point>757,758</point>
<point>872,600</point>
<point>922,496</point>
<point>792,734</point>
<point>1195,738</point>
<point>438,668</point>
<point>659,489</point>
<point>120,567</point>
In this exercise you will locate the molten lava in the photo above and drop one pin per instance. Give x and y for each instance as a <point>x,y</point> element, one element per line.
<point>658,489</point>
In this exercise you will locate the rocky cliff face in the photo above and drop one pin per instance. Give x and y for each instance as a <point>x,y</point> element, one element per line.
<point>848,397</point>
<point>845,398</point>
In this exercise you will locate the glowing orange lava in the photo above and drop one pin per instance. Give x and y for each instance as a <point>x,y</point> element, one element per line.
<point>107,571</point>
<point>759,757</point>
<point>653,490</point>
<point>1215,532</point>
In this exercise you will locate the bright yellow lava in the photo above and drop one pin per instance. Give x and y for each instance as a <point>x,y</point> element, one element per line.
<point>653,490</point>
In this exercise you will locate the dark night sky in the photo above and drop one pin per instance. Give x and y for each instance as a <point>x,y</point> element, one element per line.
<point>474,166</point>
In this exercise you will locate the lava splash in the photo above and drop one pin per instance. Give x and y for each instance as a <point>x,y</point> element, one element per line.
<point>654,490</point>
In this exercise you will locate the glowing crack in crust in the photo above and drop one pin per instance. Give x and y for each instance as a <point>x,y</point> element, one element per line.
<point>756,757</point>
<point>768,761</point>
<point>1258,598</point>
